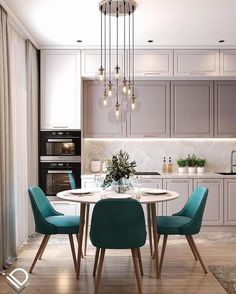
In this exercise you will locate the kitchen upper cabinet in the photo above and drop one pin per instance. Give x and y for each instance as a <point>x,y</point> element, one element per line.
<point>229,202</point>
<point>192,109</point>
<point>99,120</point>
<point>196,62</point>
<point>153,63</point>
<point>225,109</point>
<point>213,214</point>
<point>228,62</point>
<point>152,115</point>
<point>91,62</point>
<point>60,89</point>
<point>182,186</point>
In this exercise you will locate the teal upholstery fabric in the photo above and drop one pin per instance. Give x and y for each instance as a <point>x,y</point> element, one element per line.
<point>68,224</point>
<point>43,213</point>
<point>168,225</point>
<point>118,224</point>
<point>189,220</point>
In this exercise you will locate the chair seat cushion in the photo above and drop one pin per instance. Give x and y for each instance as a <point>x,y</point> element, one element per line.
<point>65,224</point>
<point>171,225</point>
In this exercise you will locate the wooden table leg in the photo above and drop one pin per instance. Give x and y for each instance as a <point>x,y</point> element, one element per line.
<point>86,228</point>
<point>81,231</point>
<point>149,228</point>
<point>155,238</point>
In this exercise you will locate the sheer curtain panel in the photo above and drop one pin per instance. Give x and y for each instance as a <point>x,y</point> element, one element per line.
<point>7,199</point>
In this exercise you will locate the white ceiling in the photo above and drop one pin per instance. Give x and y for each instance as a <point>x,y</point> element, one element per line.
<point>169,23</point>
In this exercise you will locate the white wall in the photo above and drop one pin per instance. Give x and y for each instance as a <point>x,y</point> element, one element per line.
<point>149,153</point>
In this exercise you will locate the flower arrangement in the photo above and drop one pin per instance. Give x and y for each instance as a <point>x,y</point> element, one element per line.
<point>200,162</point>
<point>119,168</point>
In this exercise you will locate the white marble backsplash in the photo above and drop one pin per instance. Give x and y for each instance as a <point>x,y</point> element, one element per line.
<point>149,154</point>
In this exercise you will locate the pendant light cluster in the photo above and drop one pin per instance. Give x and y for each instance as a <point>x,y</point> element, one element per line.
<point>110,74</point>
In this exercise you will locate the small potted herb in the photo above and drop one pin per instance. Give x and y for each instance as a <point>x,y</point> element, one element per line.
<point>182,163</point>
<point>191,163</point>
<point>200,162</point>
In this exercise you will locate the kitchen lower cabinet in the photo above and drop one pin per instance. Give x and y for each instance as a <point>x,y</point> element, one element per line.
<point>192,109</point>
<point>154,184</point>
<point>230,202</point>
<point>65,207</point>
<point>182,186</point>
<point>213,214</point>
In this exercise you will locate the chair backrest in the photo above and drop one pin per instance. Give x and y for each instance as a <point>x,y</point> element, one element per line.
<point>41,208</point>
<point>118,224</point>
<point>194,209</point>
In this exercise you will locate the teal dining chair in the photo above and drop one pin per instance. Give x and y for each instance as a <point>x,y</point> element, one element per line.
<point>50,222</point>
<point>186,222</point>
<point>118,224</point>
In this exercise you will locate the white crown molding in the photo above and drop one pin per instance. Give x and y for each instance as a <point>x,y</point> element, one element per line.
<point>18,25</point>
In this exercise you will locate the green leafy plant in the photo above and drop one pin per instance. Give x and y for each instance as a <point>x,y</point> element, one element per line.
<point>191,160</point>
<point>200,162</point>
<point>119,167</point>
<point>182,162</point>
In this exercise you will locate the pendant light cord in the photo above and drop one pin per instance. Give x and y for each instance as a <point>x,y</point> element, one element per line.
<point>110,41</point>
<point>129,45</point>
<point>117,40</point>
<point>105,53</point>
<point>101,35</point>
<point>124,40</point>
<point>133,48</point>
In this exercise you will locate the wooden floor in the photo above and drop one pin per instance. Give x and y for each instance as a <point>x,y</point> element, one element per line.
<point>180,273</point>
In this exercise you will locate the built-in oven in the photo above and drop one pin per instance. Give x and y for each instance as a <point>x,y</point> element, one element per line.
<point>60,145</point>
<point>55,177</point>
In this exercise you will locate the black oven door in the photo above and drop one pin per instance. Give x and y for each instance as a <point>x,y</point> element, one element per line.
<point>59,176</point>
<point>60,143</point>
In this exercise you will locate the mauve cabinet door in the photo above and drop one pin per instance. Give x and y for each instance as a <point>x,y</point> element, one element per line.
<point>182,186</point>
<point>192,109</point>
<point>99,120</point>
<point>152,113</point>
<point>229,202</point>
<point>213,214</point>
<point>225,109</point>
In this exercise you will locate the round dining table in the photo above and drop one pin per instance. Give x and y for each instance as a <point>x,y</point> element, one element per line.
<point>150,197</point>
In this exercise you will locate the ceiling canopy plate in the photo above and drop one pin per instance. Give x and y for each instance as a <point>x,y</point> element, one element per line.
<point>117,5</point>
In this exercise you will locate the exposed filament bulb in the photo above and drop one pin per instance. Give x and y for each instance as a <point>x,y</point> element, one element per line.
<point>109,89</point>
<point>117,71</point>
<point>101,73</point>
<point>124,86</point>
<point>105,98</point>
<point>129,88</point>
<point>117,107</point>
<point>133,102</point>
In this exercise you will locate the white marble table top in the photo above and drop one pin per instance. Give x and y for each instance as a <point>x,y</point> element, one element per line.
<point>95,196</point>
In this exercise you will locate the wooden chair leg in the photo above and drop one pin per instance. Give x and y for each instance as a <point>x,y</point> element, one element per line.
<point>86,229</point>
<point>77,237</point>
<point>39,252</point>
<point>100,264</point>
<point>45,244</point>
<point>163,251</point>
<point>158,239</point>
<point>149,228</point>
<point>191,247</point>
<point>72,249</point>
<point>136,269</point>
<point>197,253</point>
<point>96,261</point>
<point>140,261</point>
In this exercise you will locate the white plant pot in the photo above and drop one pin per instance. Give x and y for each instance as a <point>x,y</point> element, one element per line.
<point>182,170</point>
<point>201,169</point>
<point>191,170</point>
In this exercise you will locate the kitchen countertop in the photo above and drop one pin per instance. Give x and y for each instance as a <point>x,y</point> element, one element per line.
<point>207,175</point>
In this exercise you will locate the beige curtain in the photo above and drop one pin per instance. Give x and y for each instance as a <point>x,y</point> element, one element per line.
<point>32,70</point>
<point>7,199</point>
